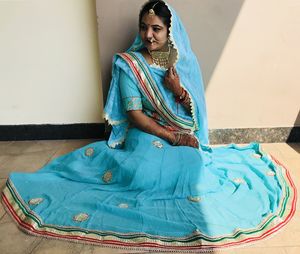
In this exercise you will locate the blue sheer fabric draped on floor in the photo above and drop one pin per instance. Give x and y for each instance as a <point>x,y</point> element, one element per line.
<point>139,191</point>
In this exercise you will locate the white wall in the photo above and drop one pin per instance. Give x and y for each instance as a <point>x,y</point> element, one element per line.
<point>49,62</point>
<point>256,82</point>
<point>248,49</point>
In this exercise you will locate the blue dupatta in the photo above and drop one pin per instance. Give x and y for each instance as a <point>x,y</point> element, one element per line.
<point>191,79</point>
<point>152,195</point>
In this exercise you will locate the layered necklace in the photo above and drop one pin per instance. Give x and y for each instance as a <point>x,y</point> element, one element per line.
<point>160,58</point>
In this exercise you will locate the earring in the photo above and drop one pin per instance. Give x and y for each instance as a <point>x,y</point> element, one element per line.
<point>169,42</point>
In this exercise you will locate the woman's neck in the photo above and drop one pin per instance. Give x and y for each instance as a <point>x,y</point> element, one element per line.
<point>147,56</point>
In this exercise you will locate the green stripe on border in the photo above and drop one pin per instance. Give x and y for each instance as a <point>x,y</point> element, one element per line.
<point>190,124</point>
<point>190,239</point>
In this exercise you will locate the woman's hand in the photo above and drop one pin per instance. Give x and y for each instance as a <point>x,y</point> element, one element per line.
<point>184,139</point>
<point>172,81</point>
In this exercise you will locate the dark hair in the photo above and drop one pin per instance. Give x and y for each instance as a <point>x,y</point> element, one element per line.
<point>160,9</point>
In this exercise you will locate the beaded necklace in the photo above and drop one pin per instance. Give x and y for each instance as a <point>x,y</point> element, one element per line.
<point>160,58</point>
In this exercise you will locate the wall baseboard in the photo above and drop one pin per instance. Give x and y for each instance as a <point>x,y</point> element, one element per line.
<point>261,135</point>
<point>52,131</point>
<point>97,131</point>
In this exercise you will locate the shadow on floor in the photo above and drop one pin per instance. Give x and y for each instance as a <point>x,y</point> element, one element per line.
<point>295,146</point>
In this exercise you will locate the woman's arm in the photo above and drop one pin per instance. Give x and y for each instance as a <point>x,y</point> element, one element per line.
<point>172,82</point>
<point>132,103</point>
<point>184,99</point>
<point>147,124</point>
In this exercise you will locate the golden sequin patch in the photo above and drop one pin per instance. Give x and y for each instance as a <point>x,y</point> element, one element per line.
<point>107,176</point>
<point>196,232</point>
<point>271,173</point>
<point>194,198</point>
<point>35,201</point>
<point>236,230</point>
<point>157,144</point>
<point>81,217</point>
<point>256,155</point>
<point>89,151</point>
<point>239,180</point>
<point>123,205</point>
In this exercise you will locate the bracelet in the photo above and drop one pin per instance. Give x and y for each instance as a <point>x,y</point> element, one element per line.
<point>182,93</point>
<point>181,97</point>
<point>186,100</point>
<point>177,139</point>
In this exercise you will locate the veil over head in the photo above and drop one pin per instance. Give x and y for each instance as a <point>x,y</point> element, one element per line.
<point>188,69</point>
<point>151,196</point>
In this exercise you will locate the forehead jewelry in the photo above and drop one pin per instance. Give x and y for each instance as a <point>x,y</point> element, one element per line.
<point>151,12</point>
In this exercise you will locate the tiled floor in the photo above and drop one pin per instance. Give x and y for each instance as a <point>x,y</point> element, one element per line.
<point>31,155</point>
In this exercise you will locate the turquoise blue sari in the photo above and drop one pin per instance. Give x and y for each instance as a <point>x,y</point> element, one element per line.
<point>137,191</point>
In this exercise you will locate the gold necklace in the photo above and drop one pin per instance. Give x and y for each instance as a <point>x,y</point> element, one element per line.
<point>160,58</point>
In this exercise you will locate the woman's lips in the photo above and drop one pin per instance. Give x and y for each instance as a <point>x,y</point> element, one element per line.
<point>150,42</point>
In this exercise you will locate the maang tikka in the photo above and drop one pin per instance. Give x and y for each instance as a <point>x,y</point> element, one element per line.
<point>151,12</point>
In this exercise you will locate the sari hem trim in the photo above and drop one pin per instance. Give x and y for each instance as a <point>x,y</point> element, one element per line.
<point>31,223</point>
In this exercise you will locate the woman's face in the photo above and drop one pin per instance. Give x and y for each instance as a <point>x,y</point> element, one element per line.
<point>154,32</point>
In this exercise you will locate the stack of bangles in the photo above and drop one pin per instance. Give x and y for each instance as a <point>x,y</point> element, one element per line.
<point>183,98</point>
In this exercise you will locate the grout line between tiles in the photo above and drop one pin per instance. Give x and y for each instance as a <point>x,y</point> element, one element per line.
<point>56,150</point>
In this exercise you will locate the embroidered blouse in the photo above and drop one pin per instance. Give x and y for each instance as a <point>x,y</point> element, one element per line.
<point>133,99</point>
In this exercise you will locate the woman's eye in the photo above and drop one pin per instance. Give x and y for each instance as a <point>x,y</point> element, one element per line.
<point>143,28</point>
<point>156,29</point>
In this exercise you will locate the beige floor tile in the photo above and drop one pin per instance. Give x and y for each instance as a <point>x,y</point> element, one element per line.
<point>71,145</point>
<point>295,146</point>
<point>293,166</point>
<point>27,156</point>
<point>292,250</point>
<point>90,249</point>
<point>288,236</point>
<point>31,155</point>
<point>16,147</point>
<point>3,159</point>
<point>225,251</point>
<point>14,241</point>
<point>6,218</point>
<point>2,210</point>
<point>44,145</point>
<point>49,246</point>
<point>287,151</point>
<point>2,183</point>
<point>270,250</point>
<point>4,146</point>
<point>29,162</point>
<point>273,150</point>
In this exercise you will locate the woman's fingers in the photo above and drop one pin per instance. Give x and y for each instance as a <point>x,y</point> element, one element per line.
<point>188,140</point>
<point>193,142</point>
<point>196,144</point>
<point>174,71</point>
<point>171,72</point>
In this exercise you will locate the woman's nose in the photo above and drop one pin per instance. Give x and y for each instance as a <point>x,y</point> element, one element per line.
<point>149,34</point>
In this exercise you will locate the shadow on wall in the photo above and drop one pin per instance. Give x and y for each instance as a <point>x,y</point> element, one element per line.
<point>297,121</point>
<point>208,23</point>
<point>294,135</point>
